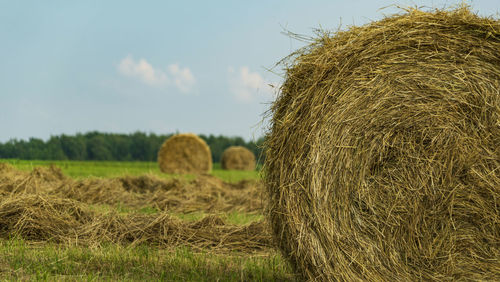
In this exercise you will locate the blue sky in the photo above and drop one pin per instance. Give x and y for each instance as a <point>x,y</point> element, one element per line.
<point>157,66</point>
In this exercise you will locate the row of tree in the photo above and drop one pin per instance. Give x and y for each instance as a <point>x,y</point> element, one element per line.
<point>111,147</point>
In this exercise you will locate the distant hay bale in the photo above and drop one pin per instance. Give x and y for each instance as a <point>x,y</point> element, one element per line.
<point>238,158</point>
<point>185,153</point>
<point>383,156</point>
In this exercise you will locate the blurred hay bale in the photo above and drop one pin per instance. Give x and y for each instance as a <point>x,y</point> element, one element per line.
<point>383,157</point>
<point>238,158</point>
<point>185,153</point>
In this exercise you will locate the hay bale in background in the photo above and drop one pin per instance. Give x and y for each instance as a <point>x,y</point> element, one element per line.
<point>238,158</point>
<point>383,159</point>
<point>185,153</point>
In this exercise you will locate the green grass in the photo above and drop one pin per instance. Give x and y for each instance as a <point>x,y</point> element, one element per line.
<point>20,260</point>
<point>84,169</point>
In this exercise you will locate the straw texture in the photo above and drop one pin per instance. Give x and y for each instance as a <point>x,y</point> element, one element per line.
<point>383,156</point>
<point>45,205</point>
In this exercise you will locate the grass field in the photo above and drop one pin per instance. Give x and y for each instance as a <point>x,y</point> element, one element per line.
<point>22,261</point>
<point>83,169</point>
<point>25,259</point>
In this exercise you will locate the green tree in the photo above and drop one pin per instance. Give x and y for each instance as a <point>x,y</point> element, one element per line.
<point>109,146</point>
<point>97,149</point>
<point>74,147</point>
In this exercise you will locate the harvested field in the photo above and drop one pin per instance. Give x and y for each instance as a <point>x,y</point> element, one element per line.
<point>45,205</point>
<point>204,193</point>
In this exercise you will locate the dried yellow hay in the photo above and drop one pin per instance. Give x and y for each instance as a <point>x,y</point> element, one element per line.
<point>41,218</point>
<point>237,158</point>
<point>203,193</point>
<point>45,205</point>
<point>383,157</point>
<point>185,153</point>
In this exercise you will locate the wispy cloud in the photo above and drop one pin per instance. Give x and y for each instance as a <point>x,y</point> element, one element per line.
<point>142,70</point>
<point>247,86</point>
<point>181,78</point>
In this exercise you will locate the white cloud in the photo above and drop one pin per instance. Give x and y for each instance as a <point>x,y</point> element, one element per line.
<point>181,78</point>
<point>247,86</point>
<point>143,71</point>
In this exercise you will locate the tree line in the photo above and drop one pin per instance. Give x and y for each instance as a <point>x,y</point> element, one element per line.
<point>97,146</point>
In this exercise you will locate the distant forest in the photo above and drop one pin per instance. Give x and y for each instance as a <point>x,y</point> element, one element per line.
<point>97,146</point>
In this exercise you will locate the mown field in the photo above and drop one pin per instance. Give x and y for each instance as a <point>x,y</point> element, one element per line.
<point>83,169</point>
<point>126,221</point>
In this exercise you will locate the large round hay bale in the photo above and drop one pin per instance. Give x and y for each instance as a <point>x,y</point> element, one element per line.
<point>383,156</point>
<point>185,153</point>
<point>238,158</point>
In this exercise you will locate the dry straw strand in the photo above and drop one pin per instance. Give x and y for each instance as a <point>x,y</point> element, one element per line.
<point>383,156</point>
